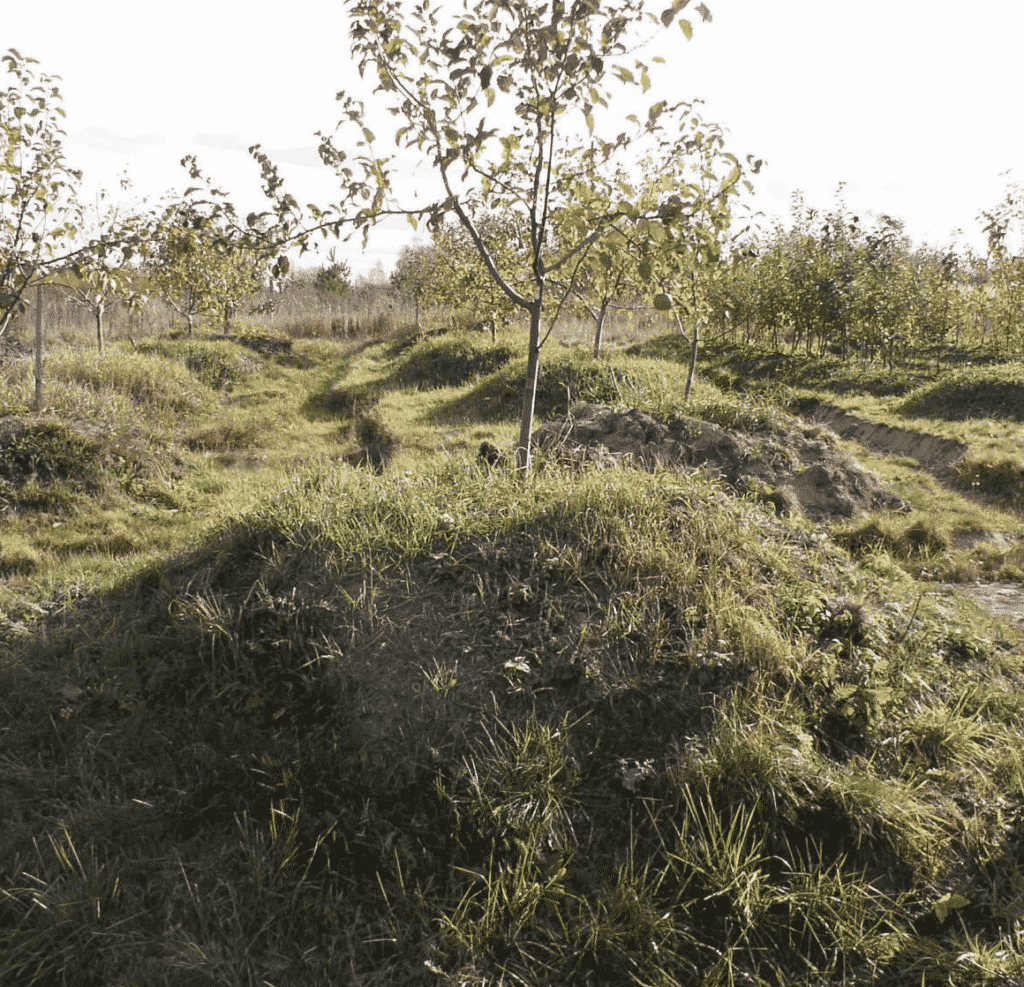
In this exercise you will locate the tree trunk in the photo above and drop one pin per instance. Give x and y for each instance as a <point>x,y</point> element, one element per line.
<point>39,348</point>
<point>599,331</point>
<point>693,360</point>
<point>98,312</point>
<point>523,451</point>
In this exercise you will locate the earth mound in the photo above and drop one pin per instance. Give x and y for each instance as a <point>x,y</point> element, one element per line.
<point>795,468</point>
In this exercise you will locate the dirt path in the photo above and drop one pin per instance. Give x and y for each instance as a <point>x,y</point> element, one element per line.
<point>937,456</point>
<point>1002,600</point>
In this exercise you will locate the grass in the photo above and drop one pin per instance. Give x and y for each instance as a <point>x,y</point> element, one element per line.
<point>272,718</point>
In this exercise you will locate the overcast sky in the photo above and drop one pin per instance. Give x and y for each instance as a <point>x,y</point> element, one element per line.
<point>915,104</point>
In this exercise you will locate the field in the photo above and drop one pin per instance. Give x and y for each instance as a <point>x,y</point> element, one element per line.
<point>296,688</point>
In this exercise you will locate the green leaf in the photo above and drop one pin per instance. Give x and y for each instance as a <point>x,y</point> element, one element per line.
<point>645,270</point>
<point>413,221</point>
<point>645,80</point>
<point>947,903</point>
<point>663,302</point>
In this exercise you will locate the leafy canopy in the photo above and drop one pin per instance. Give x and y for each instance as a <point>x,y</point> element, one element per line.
<point>515,108</point>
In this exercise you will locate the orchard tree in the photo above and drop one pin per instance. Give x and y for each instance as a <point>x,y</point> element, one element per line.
<point>1006,270</point>
<point>882,287</point>
<point>680,261</point>
<point>491,97</point>
<point>105,273</point>
<point>461,277</point>
<point>201,266</point>
<point>606,270</point>
<point>39,211</point>
<point>938,297</point>
<point>609,274</point>
<point>414,275</point>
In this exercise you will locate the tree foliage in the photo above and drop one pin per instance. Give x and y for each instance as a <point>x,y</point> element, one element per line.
<point>105,273</point>
<point>416,276</point>
<point>334,277</point>
<point>200,265</point>
<point>491,98</point>
<point>461,278</point>
<point>39,210</point>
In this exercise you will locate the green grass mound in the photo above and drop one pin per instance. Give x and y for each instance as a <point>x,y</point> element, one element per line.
<point>566,379</point>
<point>981,392</point>
<point>747,368</point>
<point>55,467</point>
<point>452,729</point>
<point>449,361</point>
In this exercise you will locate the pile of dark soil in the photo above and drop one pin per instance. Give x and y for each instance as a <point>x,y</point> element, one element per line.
<point>794,468</point>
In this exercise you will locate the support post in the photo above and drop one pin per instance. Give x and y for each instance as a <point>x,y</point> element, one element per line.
<point>39,347</point>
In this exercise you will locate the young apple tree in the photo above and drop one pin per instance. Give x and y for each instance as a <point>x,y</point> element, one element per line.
<point>104,274</point>
<point>413,275</point>
<point>606,271</point>
<point>39,210</point>
<point>491,98</point>
<point>201,266</point>
<point>461,277</point>
<point>680,260</point>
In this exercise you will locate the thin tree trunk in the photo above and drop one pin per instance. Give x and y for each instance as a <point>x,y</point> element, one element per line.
<point>523,451</point>
<point>693,360</point>
<point>39,347</point>
<point>98,312</point>
<point>599,331</point>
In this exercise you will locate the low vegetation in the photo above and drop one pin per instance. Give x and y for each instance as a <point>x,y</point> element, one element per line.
<point>298,689</point>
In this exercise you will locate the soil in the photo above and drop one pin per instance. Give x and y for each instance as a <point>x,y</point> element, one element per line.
<point>797,469</point>
<point>1003,600</point>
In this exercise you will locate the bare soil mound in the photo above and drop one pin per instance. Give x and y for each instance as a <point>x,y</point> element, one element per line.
<point>798,468</point>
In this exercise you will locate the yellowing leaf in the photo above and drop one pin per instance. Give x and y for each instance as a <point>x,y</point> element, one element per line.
<point>687,28</point>
<point>948,903</point>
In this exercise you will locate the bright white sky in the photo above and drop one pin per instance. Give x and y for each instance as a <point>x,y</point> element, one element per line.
<point>915,104</point>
